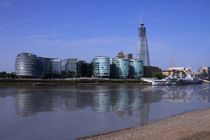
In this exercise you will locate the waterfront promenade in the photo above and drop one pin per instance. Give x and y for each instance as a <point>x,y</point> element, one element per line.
<point>70,81</point>
<point>188,126</point>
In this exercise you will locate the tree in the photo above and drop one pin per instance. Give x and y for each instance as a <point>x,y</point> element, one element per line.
<point>157,75</point>
<point>3,74</point>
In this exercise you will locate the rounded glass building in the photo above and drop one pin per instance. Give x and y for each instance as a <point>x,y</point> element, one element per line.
<point>101,66</point>
<point>26,65</point>
<point>136,68</point>
<point>120,68</point>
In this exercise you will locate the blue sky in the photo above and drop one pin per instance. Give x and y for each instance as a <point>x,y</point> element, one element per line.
<point>86,28</point>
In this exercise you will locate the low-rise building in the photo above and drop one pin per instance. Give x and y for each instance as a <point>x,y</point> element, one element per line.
<point>204,73</point>
<point>179,71</point>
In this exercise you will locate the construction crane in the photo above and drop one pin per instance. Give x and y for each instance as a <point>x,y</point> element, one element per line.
<point>170,63</point>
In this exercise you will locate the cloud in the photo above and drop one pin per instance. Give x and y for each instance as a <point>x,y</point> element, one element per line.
<point>5,4</point>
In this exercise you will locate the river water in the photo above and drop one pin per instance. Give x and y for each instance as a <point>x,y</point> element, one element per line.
<point>69,112</point>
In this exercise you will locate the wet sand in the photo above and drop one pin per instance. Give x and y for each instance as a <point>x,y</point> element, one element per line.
<point>188,126</point>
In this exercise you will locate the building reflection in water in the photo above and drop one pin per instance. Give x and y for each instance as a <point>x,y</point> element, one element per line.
<point>124,100</point>
<point>101,100</point>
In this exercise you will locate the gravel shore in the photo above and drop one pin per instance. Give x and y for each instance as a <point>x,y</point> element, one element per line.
<point>188,126</point>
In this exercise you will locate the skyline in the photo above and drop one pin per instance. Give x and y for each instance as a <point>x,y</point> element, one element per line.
<point>54,29</point>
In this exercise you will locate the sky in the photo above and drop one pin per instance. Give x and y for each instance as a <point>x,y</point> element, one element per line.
<point>84,29</point>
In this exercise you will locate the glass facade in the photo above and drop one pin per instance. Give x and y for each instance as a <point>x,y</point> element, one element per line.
<point>136,68</point>
<point>56,66</point>
<point>52,65</point>
<point>120,68</point>
<point>69,65</point>
<point>27,65</point>
<point>142,52</point>
<point>101,66</point>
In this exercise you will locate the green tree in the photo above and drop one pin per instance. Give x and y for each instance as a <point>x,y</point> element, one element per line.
<point>157,75</point>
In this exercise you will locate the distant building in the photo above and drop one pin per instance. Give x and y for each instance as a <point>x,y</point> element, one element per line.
<point>204,73</point>
<point>136,68</point>
<point>84,69</point>
<point>101,66</point>
<point>120,54</point>
<point>179,71</point>
<point>142,52</point>
<point>128,56</point>
<point>120,68</point>
<point>69,66</point>
<point>148,70</point>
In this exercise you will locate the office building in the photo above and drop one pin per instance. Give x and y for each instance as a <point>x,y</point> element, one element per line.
<point>51,66</point>
<point>142,52</point>
<point>101,66</point>
<point>136,68</point>
<point>120,68</point>
<point>84,69</point>
<point>69,66</point>
<point>27,65</point>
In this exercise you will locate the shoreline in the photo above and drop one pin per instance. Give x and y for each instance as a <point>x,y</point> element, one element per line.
<point>55,82</point>
<point>193,125</point>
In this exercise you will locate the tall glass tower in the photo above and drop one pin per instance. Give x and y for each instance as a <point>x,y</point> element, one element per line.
<point>142,52</point>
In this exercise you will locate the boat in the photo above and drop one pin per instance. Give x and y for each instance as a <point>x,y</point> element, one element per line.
<point>173,80</point>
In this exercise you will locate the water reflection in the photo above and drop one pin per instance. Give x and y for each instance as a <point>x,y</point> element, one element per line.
<point>123,100</point>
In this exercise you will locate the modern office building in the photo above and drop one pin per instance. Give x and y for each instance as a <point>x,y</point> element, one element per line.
<point>84,69</point>
<point>56,66</point>
<point>101,66</point>
<point>27,65</point>
<point>69,66</point>
<point>142,52</point>
<point>120,68</point>
<point>51,66</point>
<point>136,68</point>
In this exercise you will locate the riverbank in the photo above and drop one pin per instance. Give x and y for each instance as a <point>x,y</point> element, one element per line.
<point>70,81</point>
<point>188,126</point>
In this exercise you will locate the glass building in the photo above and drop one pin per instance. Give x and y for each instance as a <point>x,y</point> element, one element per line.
<point>136,68</point>
<point>120,68</point>
<point>56,66</point>
<point>52,66</point>
<point>142,52</point>
<point>101,66</point>
<point>27,65</point>
<point>69,66</point>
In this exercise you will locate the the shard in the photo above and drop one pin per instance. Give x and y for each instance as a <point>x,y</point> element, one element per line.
<point>142,52</point>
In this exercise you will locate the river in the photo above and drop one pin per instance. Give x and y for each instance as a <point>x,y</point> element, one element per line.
<point>69,112</point>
